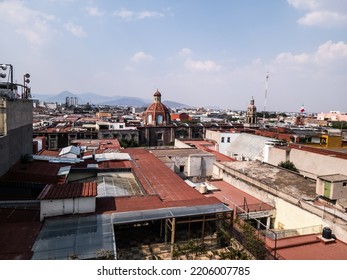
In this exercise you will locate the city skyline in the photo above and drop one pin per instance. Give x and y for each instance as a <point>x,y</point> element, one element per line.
<point>200,53</point>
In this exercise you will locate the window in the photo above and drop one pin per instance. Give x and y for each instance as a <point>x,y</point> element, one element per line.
<point>344,184</point>
<point>228,139</point>
<point>181,168</point>
<point>121,126</point>
<point>160,136</point>
<point>222,140</point>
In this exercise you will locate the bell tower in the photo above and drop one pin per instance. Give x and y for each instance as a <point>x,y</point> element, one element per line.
<point>251,115</point>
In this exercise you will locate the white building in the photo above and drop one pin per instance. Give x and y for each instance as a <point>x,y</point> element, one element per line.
<point>63,199</point>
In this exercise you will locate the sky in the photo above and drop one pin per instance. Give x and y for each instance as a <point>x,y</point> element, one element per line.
<point>200,53</point>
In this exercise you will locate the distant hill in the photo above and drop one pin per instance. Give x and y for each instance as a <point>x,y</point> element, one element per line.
<point>127,101</point>
<point>96,99</point>
<point>172,104</point>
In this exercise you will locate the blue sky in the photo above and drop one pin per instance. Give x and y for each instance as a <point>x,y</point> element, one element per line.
<point>197,52</point>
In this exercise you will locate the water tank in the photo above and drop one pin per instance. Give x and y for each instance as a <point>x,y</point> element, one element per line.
<point>326,233</point>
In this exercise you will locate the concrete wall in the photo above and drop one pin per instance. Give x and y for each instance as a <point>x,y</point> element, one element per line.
<point>290,216</point>
<point>337,190</point>
<point>19,113</point>
<point>290,212</point>
<point>5,155</point>
<point>200,165</point>
<point>180,144</point>
<point>275,155</point>
<point>171,165</point>
<point>313,165</point>
<point>16,131</point>
<point>310,164</point>
<point>218,136</point>
<point>57,207</point>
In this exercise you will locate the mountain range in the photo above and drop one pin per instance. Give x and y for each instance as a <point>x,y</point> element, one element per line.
<point>96,99</point>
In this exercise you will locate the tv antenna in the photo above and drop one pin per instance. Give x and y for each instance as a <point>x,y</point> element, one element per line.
<point>266,88</point>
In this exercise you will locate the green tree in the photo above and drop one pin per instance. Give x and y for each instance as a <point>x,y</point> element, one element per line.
<point>338,124</point>
<point>288,165</point>
<point>128,143</point>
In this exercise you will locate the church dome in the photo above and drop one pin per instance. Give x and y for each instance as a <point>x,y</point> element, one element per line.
<point>157,113</point>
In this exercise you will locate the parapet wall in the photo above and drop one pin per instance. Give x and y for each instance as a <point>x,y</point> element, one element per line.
<point>284,202</point>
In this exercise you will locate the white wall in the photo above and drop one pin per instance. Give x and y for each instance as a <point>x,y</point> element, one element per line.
<point>200,165</point>
<point>57,207</point>
<point>217,137</point>
<point>290,215</point>
<point>310,164</point>
<point>181,145</point>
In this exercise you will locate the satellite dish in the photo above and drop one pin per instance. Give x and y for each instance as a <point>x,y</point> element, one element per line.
<point>3,67</point>
<point>27,81</point>
<point>2,75</point>
<point>27,75</point>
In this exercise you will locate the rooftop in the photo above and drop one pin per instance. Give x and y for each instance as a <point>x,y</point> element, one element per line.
<point>334,178</point>
<point>279,179</point>
<point>309,247</point>
<point>70,190</point>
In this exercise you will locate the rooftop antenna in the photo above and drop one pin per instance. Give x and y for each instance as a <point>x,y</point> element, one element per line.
<point>266,87</point>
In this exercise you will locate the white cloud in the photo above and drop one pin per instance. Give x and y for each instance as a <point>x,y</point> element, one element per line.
<point>124,14</point>
<point>32,24</point>
<point>303,4</point>
<point>141,56</point>
<point>94,11</point>
<point>325,53</point>
<point>322,13</point>
<point>323,18</point>
<point>128,15</point>
<point>289,57</point>
<point>330,51</point>
<point>148,14</point>
<point>76,30</point>
<point>185,52</point>
<point>203,66</point>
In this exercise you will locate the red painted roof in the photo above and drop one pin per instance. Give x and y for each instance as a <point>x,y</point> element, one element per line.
<point>320,151</point>
<point>36,171</point>
<point>18,231</point>
<point>309,247</point>
<point>157,178</point>
<point>71,190</point>
<point>236,196</point>
<point>49,153</point>
<point>163,188</point>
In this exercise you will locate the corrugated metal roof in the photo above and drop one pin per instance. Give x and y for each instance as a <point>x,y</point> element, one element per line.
<point>71,190</point>
<point>248,146</point>
<point>70,149</point>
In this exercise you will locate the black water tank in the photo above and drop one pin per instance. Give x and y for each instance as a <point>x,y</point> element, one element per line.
<point>326,233</point>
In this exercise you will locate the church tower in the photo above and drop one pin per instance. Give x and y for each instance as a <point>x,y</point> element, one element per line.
<point>251,115</point>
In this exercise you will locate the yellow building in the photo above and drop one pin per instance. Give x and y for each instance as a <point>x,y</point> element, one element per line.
<point>331,141</point>
<point>106,115</point>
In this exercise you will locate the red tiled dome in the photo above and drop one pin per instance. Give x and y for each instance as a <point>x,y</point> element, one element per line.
<point>157,113</point>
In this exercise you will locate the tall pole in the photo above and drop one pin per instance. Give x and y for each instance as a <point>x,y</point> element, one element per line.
<point>266,87</point>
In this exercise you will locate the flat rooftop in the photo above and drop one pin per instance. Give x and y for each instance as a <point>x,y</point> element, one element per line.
<point>228,194</point>
<point>287,182</point>
<point>309,247</point>
<point>334,178</point>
